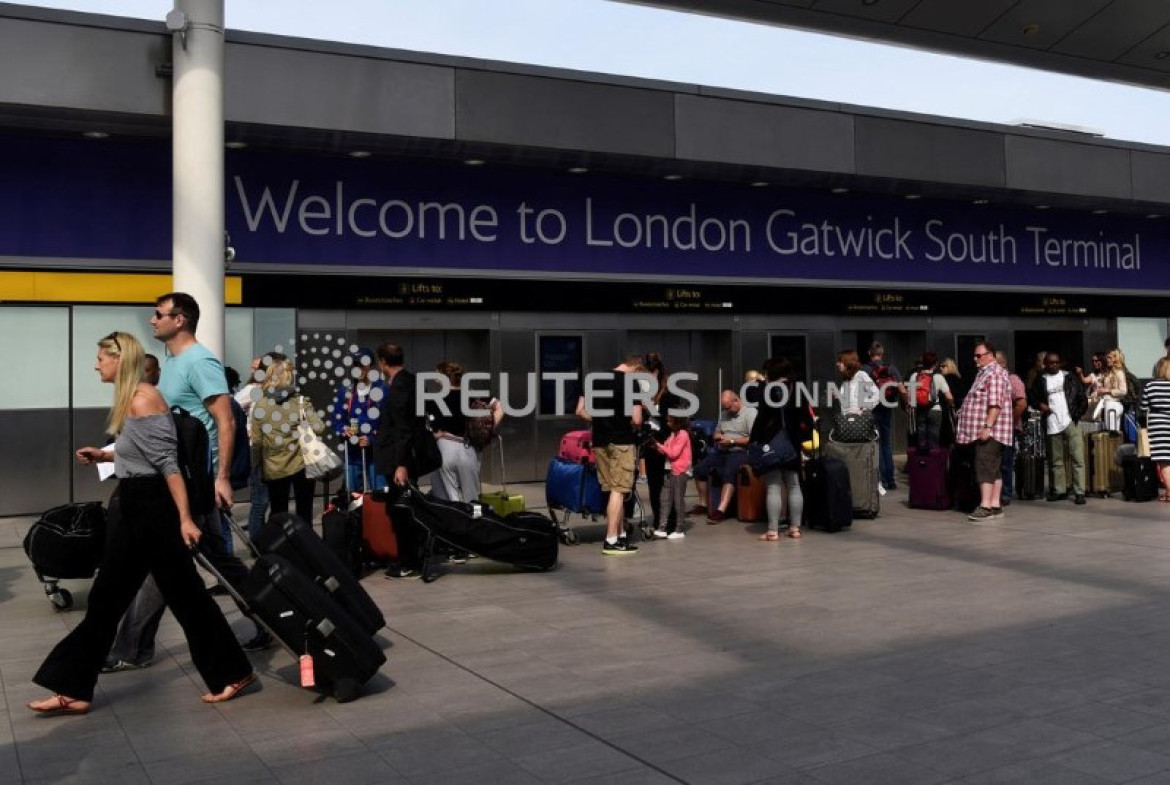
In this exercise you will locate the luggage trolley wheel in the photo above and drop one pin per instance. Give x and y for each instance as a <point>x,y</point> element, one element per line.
<point>62,599</point>
<point>568,536</point>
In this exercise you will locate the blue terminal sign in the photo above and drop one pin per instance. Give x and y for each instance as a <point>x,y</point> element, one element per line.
<point>110,201</point>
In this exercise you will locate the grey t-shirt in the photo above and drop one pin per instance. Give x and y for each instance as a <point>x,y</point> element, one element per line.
<point>147,446</point>
<point>737,426</point>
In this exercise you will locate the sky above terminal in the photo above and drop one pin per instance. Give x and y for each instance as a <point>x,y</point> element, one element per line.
<point>632,40</point>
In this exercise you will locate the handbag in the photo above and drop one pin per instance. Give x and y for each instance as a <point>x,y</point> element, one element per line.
<point>853,427</point>
<point>776,454</point>
<point>320,461</point>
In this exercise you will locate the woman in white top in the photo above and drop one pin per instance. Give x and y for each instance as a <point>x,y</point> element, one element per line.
<point>858,391</point>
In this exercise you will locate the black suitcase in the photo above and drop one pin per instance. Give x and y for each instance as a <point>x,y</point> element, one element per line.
<point>964,490</point>
<point>341,529</point>
<point>306,620</point>
<point>828,497</point>
<point>1141,479</point>
<point>1030,473</point>
<point>289,536</point>
<point>527,540</point>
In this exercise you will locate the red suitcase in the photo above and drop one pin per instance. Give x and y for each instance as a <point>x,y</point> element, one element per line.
<point>577,447</point>
<point>929,478</point>
<point>750,496</point>
<point>378,540</point>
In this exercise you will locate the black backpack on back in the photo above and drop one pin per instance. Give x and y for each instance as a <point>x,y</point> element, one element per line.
<point>194,461</point>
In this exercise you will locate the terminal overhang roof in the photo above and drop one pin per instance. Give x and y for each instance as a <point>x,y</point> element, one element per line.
<point>1116,40</point>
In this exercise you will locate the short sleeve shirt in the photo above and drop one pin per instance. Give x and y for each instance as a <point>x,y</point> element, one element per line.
<point>190,378</point>
<point>990,388</point>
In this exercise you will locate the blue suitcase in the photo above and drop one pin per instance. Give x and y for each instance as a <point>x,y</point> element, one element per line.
<point>572,488</point>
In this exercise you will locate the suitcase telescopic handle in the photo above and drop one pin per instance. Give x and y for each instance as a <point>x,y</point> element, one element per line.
<point>206,564</point>
<point>243,535</point>
<point>503,466</point>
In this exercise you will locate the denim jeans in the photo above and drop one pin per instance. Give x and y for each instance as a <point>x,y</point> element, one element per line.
<point>258,495</point>
<point>1008,471</point>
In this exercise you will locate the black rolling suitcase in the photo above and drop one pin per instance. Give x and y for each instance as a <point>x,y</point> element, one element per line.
<point>286,535</point>
<point>306,620</point>
<point>964,490</point>
<point>1141,479</point>
<point>527,540</point>
<point>341,529</point>
<point>66,542</point>
<point>828,497</point>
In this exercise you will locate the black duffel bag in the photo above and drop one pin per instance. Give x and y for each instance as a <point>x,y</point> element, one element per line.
<point>67,541</point>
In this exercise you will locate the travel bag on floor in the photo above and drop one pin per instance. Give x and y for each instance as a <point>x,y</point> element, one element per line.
<point>573,487</point>
<point>928,474</point>
<point>828,499</point>
<point>1140,479</point>
<point>501,501</point>
<point>1030,473</point>
<point>306,620</point>
<point>341,530</point>
<point>286,535</point>
<point>379,543</point>
<point>964,490</point>
<point>525,539</point>
<point>861,460</point>
<point>1105,476</point>
<point>750,495</point>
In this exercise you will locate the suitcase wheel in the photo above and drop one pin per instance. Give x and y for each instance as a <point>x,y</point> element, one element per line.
<point>62,599</point>
<point>569,537</point>
<point>647,532</point>
<point>346,690</point>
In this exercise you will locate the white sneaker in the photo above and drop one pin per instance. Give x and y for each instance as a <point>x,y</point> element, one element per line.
<point>660,534</point>
<point>675,536</point>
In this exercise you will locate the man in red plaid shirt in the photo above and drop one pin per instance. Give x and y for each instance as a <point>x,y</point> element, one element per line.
<point>986,419</point>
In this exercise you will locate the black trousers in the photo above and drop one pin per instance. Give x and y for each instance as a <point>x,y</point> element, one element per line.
<point>302,488</point>
<point>656,471</point>
<point>146,541</point>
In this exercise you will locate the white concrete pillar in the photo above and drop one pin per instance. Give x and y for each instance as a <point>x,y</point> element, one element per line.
<point>198,162</point>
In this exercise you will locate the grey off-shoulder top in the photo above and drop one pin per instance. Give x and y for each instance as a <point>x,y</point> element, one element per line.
<point>147,446</point>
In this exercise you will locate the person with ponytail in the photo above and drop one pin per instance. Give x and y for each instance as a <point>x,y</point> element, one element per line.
<point>154,535</point>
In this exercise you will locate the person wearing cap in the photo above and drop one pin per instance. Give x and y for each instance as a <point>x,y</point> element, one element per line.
<point>357,411</point>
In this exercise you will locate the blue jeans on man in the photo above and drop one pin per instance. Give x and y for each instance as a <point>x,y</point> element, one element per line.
<point>1008,471</point>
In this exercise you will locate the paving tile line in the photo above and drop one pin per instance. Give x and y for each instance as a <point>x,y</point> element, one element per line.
<point>548,712</point>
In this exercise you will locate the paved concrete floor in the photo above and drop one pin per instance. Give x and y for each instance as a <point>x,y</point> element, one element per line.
<point>916,649</point>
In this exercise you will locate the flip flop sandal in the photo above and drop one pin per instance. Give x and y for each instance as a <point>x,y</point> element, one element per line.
<point>65,706</point>
<point>770,537</point>
<point>232,690</point>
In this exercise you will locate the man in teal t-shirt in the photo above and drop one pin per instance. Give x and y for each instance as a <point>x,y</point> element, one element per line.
<point>192,378</point>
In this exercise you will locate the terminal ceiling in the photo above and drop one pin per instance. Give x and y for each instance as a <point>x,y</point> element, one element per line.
<point>1117,40</point>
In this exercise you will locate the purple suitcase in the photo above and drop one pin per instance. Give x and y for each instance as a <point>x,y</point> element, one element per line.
<point>928,478</point>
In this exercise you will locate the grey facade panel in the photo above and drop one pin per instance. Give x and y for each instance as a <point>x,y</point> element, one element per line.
<point>526,110</point>
<point>73,67</point>
<point>714,129</point>
<point>359,94</point>
<point>37,465</point>
<point>931,153</point>
<point>1151,177</point>
<point>1068,168</point>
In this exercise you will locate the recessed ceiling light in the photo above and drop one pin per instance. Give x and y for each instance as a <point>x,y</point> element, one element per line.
<point>979,201</point>
<point>1162,55</point>
<point>578,169</point>
<point>95,135</point>
<point>1153,215</point>
<point>672,177</point>
<point>1100,212</point>
<point>1042,206</point>
<point>235,145</point>
<point>869,2</point>
<point>1030,29</point>
<point>760,184</point>
<point>839,190</point>
<point>912,197</point>
<point>475,162</point>
<point>360,154</point>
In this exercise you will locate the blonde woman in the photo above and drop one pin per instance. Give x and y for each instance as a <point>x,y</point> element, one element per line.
<point>1111,390</point>
<point>154,535</point>
<point>275,418</point>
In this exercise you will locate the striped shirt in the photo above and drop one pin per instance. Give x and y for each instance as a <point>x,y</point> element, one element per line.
<point>990,388</point>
